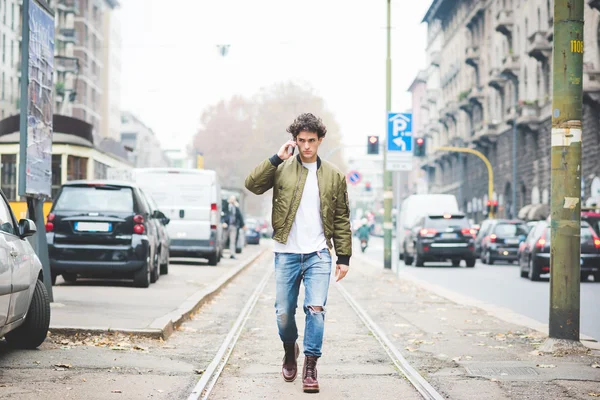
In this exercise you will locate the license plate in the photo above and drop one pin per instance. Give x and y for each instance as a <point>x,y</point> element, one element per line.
<point>512,241</point>
<point>93,226</point>
<point>449,236</point>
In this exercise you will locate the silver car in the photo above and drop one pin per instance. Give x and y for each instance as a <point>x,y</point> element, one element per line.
<point>24,302</point>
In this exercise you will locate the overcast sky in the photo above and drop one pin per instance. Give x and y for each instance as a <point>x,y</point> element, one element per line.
<point>171,68</point>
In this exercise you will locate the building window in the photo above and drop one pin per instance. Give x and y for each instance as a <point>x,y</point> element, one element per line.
<point>56,174</point>
<point>9,176</point>
<point>100,170</point>
<point>76,168</point>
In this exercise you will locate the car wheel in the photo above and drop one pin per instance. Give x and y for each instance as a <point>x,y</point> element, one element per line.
<point>35,328</point>
<point>470,262</point>
<point>533,274</point>
<point>584,276</point>
<point>489,260</point>
<point>419,260</point>
<point>155,270</point>
<point>456,263</point>
<point>164,267</point>
<point>142,277</point>
<point>69,277</point>
<point>213,259</point>
<point>408,260</point>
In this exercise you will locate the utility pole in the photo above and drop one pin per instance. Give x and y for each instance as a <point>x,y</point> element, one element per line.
<point>388,194</point>
<point>566,175</point>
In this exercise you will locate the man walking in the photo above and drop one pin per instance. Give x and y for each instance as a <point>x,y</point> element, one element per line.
<point>310,210</point>
<point>234,222</point>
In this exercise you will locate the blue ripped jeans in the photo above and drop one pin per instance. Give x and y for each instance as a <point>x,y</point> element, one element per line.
<point>315,270</point>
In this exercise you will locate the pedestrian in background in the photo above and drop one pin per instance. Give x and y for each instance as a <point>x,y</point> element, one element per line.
<point>310,211</point>
<point>235,221</point>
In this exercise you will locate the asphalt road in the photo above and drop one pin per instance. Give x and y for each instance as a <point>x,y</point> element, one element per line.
<point>500,285</point>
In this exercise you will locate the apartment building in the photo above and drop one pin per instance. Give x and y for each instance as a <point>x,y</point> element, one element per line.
<point>10,39</point>
<point>141,141</point>
<point>490,64</point>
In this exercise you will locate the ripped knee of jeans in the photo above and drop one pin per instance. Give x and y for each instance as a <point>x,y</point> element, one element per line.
<point>315,310</point>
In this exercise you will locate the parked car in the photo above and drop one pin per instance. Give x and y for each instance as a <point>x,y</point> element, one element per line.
<point>252,231</point>
<point>501,240</point>
<point>191,199</point>
<point>440,238</point>
<point>592,217</point>
<point>534,257</point>
<point>103,229</point>
<point>24,302</point>
<point>161,223</point>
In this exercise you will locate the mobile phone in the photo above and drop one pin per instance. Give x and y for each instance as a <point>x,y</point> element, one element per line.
<point>291,150</point>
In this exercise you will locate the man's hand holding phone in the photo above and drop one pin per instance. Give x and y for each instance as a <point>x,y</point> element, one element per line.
<point>287,150</point>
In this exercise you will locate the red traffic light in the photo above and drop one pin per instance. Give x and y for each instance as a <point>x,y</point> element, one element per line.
<point>420,141</point>
<point>373,139</point>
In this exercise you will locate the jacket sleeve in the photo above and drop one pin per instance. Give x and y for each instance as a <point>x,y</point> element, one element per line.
<point>262,178</point>
<point>342,234</point>
<point>239,217</point>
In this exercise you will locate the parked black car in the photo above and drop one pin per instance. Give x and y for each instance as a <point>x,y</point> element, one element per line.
<point>441,238</point>
<point>161,221</point>
<point>501,240</point>
<point>252,231</point>
<point>534,255</point>
<point>103,229</point>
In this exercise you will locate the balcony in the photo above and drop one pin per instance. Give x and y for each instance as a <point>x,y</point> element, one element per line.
<point>451,109</point>
<point>68,6</point>
<point>505,23</point>
<point>539,47</point>
<point>472,56</point>
<point>476,95</point>
<point>497,80</point>
<point>486,132</point>
<point>432,95</point>
<point>464,103</point>
<point>510,65</point>
<point>528,116</point>
<point>436,57</point>
<point>67,35</point>
<point>476,14</point>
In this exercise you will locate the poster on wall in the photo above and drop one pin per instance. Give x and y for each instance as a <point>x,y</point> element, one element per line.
<point>40,104</point>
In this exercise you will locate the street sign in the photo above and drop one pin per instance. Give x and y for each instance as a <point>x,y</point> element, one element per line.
<point>354,177</point>
<point>399,142</point>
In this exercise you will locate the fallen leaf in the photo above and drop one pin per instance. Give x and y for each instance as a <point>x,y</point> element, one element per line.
<point>411,349</point>
<point>36,362</point>
<point>137,347</point>
<point>480,344</point>
<point>468,358</point>
<point>198,371</point>
<point>63,365</point>
<point>536,353</point>
<point>594,394</point>
<point>546,366</point>
<point>118,348</point>
<point>595,365</point>
<point>116,391</point>
<point>494,380</point>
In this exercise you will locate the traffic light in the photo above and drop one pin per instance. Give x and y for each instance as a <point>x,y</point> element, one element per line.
<point>373,145</point>
<point>419,148</point>
<point>492,206</point>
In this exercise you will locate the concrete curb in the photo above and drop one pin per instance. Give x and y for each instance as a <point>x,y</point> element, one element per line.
<point>164,326</point>
<point>502,313</point>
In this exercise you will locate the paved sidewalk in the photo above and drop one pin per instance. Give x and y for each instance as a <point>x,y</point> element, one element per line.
<point>95,305</point>
<point>466,352</point>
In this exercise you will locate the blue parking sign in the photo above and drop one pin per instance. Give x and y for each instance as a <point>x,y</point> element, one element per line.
<point>399,137</point>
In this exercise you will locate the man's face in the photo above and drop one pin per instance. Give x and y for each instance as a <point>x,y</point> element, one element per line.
<point>308,144</point>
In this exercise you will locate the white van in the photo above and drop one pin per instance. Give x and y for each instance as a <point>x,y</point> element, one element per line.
<point>191,199</point>
<point>417,206</point>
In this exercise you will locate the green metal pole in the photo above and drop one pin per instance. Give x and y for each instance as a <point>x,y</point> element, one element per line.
<point>566,170</point>
<point>388,194</point>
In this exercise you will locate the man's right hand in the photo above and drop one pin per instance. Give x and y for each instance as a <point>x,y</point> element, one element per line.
<point>284,151</point>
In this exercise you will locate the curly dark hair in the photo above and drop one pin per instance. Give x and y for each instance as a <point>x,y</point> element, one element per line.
<point>307,123</point>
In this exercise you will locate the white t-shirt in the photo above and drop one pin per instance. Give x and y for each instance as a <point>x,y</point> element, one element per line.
<point>306,235</point>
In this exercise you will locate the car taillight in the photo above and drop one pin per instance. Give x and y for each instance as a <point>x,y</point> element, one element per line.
<point>541,243</point>
<point>50,223</point>
<point>468,231</point>
<point>427,232</point>
<point>139,227</point>
<point>596,239</point>
<point>493,238</point>
<point>214,216</point>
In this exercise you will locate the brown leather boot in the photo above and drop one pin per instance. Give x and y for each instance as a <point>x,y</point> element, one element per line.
<point>310,384</point>
<point>290,361</point>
